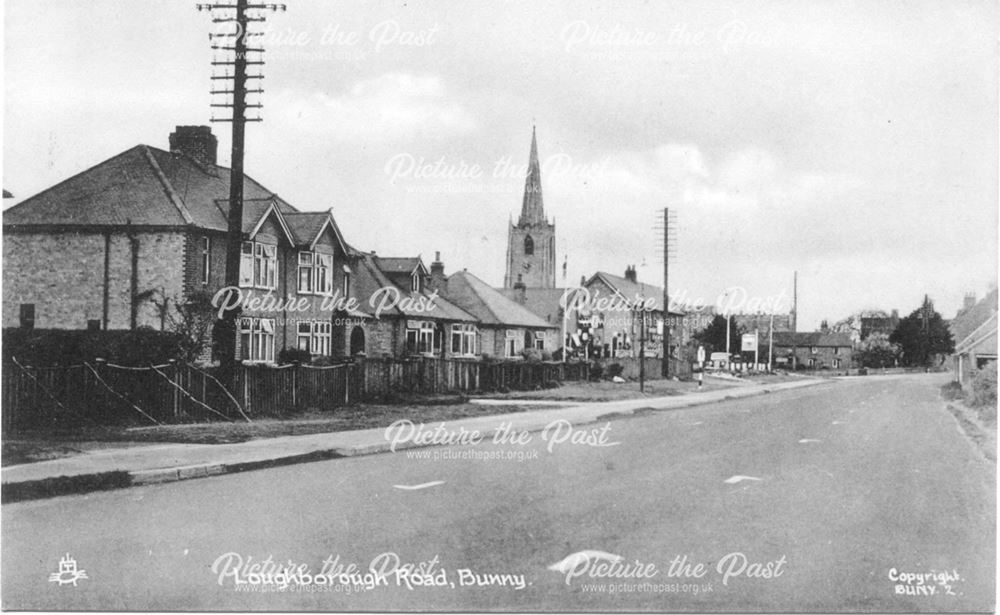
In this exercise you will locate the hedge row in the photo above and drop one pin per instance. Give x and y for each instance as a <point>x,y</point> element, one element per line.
<point>52,347</point>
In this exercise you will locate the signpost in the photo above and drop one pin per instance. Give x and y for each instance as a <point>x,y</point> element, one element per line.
<point>749,343</point>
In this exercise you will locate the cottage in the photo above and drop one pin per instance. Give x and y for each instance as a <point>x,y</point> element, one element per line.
<point>506,327</point>
<point>813,350</point>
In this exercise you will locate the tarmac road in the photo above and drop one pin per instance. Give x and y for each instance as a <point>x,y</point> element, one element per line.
<point>830,498</point>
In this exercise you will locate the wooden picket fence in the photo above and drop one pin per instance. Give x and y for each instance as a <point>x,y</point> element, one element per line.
<point>101,393</point>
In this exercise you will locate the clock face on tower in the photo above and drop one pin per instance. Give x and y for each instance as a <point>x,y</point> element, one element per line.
<point>526,266</point>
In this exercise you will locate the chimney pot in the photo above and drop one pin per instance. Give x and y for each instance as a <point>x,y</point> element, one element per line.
<point>198,142</point>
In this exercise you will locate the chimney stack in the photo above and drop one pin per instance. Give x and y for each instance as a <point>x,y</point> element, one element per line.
<point>197,142</point>
<point>824,328</point>
<point>438,281</point>
<point>630,274</point>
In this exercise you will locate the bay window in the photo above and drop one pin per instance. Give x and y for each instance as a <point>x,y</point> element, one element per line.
<point>259,265</point>
<point>257,339</point>
<point>315,273</point>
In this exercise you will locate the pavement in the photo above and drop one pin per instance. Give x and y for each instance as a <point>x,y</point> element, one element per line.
<point>133,466</point>
<point>859,496</point>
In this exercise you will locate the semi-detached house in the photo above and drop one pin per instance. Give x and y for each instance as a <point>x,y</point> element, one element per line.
<point>113,246</point>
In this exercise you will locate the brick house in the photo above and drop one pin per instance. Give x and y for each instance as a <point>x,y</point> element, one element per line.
<point>506,327</point>
<point>403,315</point>
<point>813,350</point>
<point>617,331</point>
<point>115,246</point>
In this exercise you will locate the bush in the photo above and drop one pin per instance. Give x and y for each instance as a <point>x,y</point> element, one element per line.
<point>596,371</point>
<point>293,355</point>
<point>547,355</point>
<point>984,386</point>
<point>53,347</point>
<point>952,391</point>
<point>615,369</point>
<point>532,355</point>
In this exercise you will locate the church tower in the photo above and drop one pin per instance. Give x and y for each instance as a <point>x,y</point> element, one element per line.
<point>531,243</point>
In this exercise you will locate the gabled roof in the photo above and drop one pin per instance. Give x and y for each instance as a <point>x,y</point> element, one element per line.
<point>630,290</point>
<point>489,306</point>
<point>370,279</point>
<point>971,319</point>
<point>308,226</point>
<point>405,264</point>
<point>142,186</point>
<point>812,338</point>
<point>542,302</point>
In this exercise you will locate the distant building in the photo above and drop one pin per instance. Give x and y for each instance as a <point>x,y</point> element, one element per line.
<point>531,243</point>
<point>879,324</point>
<point>817,350</point>
<point>617,331</point>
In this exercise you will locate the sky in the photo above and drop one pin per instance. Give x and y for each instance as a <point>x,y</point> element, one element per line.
<point>852,142</point>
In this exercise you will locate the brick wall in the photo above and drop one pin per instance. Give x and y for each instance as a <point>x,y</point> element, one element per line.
<point>62,274</point>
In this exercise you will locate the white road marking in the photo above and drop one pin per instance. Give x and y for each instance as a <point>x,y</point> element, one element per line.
<point>732,480</point>
<point>433,483</point>
<point>695,423</point>
<point>575,559</point>
<point>808,440</point>
<point>837,423</point>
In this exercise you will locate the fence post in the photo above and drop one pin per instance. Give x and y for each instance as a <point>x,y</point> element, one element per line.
<point>295,384</point>
<point>175,376</point>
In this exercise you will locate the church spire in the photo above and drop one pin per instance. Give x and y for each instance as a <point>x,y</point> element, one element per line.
<point>532,209</point>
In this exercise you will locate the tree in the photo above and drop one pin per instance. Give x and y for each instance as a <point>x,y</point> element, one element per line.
<point>877,351</point>
<point>191,320</point>
<point>922,336</point>
<point>713,337</point>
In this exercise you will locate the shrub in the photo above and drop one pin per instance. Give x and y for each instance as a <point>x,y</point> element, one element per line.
<point>52,347</point>
<point>547,355</point>
<point>952,391</point>
<point>984,387</point>
<point>615,369</point>
<point>596,371</point>
<point>293,355</point>
<point>532,355</point>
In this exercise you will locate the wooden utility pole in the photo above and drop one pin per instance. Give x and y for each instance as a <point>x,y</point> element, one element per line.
<point>235,55</point>
<point>669,241</point>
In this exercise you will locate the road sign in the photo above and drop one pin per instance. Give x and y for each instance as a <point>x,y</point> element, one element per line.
<point>749,342</point>
<point>701,354</point>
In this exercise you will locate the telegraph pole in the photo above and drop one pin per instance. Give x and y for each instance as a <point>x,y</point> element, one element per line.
<point>669,228</point>
<point>235,55</point>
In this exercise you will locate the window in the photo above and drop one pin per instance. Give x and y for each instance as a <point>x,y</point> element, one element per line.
<point>205,248</point>
<point>415,282</point>
<point>513,343</point>
<point>305,272</point>
<point>27,315</point>
<point>257,339</point>
<point>246,264</point>
<point>324,274</point>
<point>836,350</point>
<point>419,336</point>
<point>463,340</point>
<point>814,350</point>
<point>303,335</point>
<point>540,340</point>
<point>529,245</point>
<point>347,282</point>
<point>322,332</point>
<point>259,265</point>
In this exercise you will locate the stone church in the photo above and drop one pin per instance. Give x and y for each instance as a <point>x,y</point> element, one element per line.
<point>531,243</point>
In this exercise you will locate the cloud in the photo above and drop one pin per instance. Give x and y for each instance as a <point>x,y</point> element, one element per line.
<point>388,107</point>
